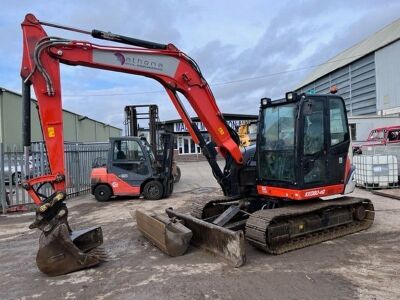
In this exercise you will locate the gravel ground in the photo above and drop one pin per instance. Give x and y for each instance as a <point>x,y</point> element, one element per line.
<point>365,265</point>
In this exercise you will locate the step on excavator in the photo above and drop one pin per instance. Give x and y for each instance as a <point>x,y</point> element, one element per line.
<point>272,191</point>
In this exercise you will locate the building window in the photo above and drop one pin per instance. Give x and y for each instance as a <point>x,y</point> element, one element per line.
<point>187,146</point>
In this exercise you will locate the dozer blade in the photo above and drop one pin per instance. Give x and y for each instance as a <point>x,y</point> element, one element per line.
<point>222,242</point>
<point>171,237</point>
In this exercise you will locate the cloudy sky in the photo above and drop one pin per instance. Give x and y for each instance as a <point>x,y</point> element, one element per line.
<point>246,49</point>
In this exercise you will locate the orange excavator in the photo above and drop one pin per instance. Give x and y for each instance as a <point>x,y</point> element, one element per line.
<point>272,190</point>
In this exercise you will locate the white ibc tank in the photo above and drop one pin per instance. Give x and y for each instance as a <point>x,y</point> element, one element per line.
<point>376,171</point>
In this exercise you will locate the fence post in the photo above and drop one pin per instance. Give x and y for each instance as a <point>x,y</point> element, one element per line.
<point>78,171</point>
<point>3,194</point>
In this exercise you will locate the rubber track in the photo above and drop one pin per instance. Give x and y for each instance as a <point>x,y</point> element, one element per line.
<point>258,222</point>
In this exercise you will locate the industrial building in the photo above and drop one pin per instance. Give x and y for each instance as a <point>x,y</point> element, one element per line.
<point>367,76</point>
<point>77,128</point>
<point>185,148</point>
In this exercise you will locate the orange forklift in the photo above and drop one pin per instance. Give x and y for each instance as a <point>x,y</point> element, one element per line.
<point>132,170</point>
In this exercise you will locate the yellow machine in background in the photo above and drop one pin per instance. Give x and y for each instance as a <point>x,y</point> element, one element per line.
<point>247,134</point>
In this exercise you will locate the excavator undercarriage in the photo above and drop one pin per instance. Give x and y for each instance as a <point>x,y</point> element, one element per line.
<point>220,226</point>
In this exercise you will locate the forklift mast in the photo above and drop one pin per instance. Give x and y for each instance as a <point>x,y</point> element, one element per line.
<point>134,113</point>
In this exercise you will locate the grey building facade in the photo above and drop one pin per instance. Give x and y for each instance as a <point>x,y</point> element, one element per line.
<point>77,128</point>
<point>366,75</point>
<point>185,148</point>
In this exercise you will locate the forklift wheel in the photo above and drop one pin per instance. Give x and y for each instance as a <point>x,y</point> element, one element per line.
<point>153,190</point>
<point>102,192</point>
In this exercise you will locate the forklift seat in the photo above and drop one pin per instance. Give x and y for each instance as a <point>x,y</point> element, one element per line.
<point>121,154</point>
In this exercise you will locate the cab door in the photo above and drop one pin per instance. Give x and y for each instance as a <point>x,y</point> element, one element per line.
<point>129,162</point>
<point>325,141</point>
<point>339,141</point>
<point>313,146</point>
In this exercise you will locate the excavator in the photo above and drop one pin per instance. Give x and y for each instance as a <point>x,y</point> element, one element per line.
<point>272,191</point>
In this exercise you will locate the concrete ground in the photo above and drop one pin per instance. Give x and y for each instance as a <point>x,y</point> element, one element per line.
<point>365,265</point>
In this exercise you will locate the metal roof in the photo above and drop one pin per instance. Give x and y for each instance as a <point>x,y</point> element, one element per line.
<point>381,38</point>
<point>2,90</point>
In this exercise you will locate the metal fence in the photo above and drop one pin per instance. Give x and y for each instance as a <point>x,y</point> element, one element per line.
<point>79,160</point>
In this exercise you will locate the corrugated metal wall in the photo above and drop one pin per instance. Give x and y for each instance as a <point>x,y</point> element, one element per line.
<point>356,83</point>
<point>388,77</point>
<point>76,128</point>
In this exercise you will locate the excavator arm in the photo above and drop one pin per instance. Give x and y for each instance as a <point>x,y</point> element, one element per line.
<point>177,73</point>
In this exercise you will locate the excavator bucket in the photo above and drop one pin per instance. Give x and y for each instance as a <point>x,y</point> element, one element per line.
<point>62,251</point>
<point>168,235</point>
<point>222,242</point>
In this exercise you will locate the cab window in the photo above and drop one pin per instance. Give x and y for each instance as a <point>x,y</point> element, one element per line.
<point>313,131</point>
<point>394,135</point>
<point>376,135</point>
<point>127,150</point>
<point>338,128</point>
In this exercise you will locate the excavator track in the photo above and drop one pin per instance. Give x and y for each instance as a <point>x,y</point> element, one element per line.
<point>277,231</point>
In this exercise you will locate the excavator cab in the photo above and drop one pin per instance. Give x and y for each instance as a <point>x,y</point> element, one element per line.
<point>303,142</point>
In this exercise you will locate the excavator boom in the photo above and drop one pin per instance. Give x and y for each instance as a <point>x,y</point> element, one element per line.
<point>176,72</point>
<point>173,69</point>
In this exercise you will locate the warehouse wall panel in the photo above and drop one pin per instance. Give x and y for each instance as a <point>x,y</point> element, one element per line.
<point>85,130</point>
<point>356,83</point>
<point>388,76</point>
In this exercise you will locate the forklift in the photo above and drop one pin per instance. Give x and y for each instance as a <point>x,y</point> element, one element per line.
<point>149,113</point>
<point>132,170</point>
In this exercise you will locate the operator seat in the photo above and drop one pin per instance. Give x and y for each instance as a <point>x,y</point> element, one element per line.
<point>121,154</point>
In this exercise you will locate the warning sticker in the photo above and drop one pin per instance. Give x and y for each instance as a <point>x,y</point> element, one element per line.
<point>51,132</point>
